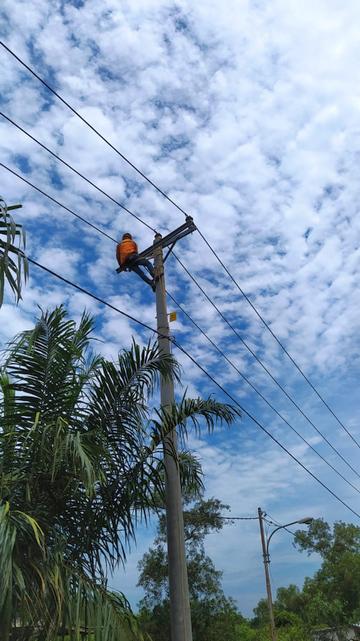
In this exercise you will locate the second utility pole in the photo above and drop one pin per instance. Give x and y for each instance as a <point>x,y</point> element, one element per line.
<point>180,618</point>
<point>267,575</point>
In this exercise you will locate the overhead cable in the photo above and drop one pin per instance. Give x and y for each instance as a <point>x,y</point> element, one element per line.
<point>266,324</point>
<point>165,195</point>
<point>57,202</point>
<point>239,518</point>
<point>195,324</point>
<point>260,394</point>
<point>86,122</point>
<point>90,182</point>
<point>202,369</point>
<point>277,524</point>
<point>264,367</point>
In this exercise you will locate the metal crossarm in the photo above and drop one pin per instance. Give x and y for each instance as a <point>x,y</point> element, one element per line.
<point>187,228</point>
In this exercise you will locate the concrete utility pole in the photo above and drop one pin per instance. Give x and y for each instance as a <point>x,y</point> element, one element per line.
<point>180,617</point>
<point>267,575</point>
<point>178,580</point>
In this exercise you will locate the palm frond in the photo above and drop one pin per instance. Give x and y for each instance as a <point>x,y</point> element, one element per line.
<point>49,596</point>
<point>44,365</point>
<point>192,410</point>
<point>13,262</point>
<point>78,470</point>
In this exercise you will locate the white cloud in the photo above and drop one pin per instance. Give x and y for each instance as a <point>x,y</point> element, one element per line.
<point>247,114</point>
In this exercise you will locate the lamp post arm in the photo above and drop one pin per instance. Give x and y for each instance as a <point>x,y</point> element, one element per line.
<point>276,530</point>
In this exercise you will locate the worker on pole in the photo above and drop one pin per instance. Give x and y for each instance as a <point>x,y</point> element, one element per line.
<point>129,260</point>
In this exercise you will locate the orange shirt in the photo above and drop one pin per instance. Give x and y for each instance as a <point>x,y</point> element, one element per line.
<point>125,249</point>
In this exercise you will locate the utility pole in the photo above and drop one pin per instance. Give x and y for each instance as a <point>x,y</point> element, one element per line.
<point>266,558</point>
<point>180,617</point>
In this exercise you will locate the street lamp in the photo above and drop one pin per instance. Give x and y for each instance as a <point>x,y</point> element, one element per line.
<point>265,547</point>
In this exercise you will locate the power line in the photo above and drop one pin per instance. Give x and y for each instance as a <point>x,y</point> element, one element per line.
<point>90,182</point>
<point>209,376</point>
<point>165,195</point>
<point>195,324</point>
<point>276,523</point>
<point>196,282</point>
<point>222,353</point>
<point>239,518</point>
<point>182,309</point>
<point>97,298</point>
<point>279,385</point>
<point>86,122</point>
<point>266,324</point>
<point>57,202</point>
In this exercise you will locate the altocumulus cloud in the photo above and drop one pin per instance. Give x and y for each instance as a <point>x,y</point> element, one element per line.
<point>246,113</point>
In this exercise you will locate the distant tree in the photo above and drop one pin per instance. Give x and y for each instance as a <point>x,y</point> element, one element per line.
<point>332,596</point>
<point>13,263</point>
<point>289,599</point>
<point>261,614</point>
<point>289,624</point>
<point>214,616</point>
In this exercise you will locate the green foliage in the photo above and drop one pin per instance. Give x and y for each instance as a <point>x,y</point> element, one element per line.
<point>332,596</point>
<point>290,599</point>
<point>204,580</point>
<point>261,614</point>
<point>13,263</point>
<point>80,464</point>
<point>214,616</point>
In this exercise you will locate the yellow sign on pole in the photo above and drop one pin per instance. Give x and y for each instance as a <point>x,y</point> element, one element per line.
<point>172,317</point>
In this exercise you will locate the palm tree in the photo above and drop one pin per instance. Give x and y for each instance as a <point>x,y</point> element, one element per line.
<point>13,263</point>
<point>80,465</point>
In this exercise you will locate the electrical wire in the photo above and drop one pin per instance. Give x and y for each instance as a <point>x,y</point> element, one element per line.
<point>90,182</point>
<point>198,327</point>
<point>257,422</point>
<point>239,518</point>
<point>57,202</point>
<point>97,298</point>
<point>275,380</point>
<point>96,131</point>
<point>165,195</point>
<point>277,524</point>
<point>266,324</point>
<point>202,369</point>
<point>254,388</point>
<point>223,354</point>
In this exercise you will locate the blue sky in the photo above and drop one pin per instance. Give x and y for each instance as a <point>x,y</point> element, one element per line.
<point>247,114</point>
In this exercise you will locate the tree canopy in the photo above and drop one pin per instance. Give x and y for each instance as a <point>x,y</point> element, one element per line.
<point>332,595</point>
<point>80,465</point>
<point>330,598</point>
<point>214,616</point>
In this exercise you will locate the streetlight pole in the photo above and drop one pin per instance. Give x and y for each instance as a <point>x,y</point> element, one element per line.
<point>267,575</point>
<point>266,556</point>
